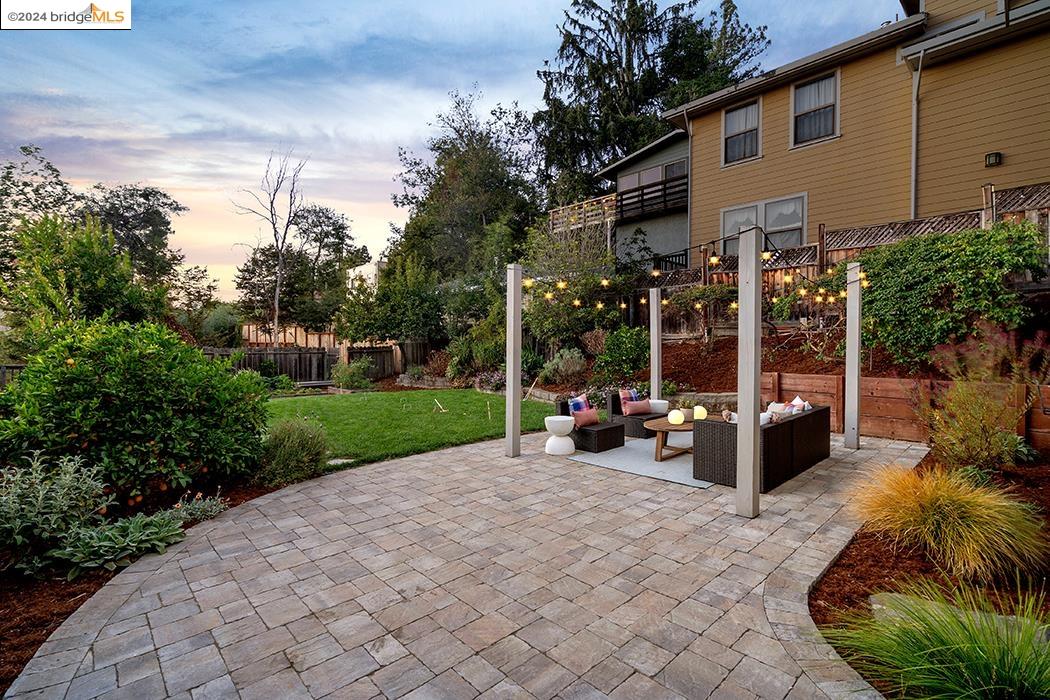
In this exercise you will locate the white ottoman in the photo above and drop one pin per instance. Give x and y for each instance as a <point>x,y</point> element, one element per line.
<point>559,443</point>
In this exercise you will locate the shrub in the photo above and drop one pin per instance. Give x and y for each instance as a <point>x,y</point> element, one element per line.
<point>967,528</point>
<point>137,402</point>
<point>415,372</point>
<point>198,508</point>
<point>117,544</point>
<point>626,352</point>
<point>295,449</point>
<point>593,341</point>
<point>928,644</point>
<point>531,362</point>
<point>492,380</point>
<point>353,374</point>
<point>566,367</point>
<point>966,426</point>
<point>437,363</point>
<point>279,382</point>
<point>41,503</point>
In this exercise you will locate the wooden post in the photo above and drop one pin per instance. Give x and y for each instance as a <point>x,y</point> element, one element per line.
<point>703,265</point>
<point>656,347</point>
<point>851,426</point>
<point>513,410</point>
<point>822,250</point>
<point>775,386</point>
<point>987,206</point>
<point>749,358</point>
<point>1021,402</point>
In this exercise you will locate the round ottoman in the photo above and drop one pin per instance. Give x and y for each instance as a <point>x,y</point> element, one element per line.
<point>559,443</point>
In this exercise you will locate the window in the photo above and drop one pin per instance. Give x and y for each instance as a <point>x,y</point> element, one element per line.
<point>627,182</point>
<point>814,115</point>
<point>741,133</point>
<point>651,175</point>
<point>783,220</point>
<point>675,169</point>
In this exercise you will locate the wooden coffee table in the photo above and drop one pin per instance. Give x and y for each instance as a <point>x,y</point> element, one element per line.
<point>662,426</point>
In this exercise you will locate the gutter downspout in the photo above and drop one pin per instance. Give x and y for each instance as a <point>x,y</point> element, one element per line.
<point>688,190</point>
<point>916,80</point>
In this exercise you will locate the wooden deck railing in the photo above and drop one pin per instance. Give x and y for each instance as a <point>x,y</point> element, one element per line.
<point>664,197</point>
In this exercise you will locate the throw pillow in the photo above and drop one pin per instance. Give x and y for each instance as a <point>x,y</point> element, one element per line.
<point>588,416</point>
<point>578,403</point>
<point>628,395</point>
<point>635,408</point>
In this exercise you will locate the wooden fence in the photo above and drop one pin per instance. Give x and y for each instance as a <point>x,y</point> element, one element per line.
<point>385,362</point>
<point>889,407</point>
<point>300,364</point>
<point>253,336</point>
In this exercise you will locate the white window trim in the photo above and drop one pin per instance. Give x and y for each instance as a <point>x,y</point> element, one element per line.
<point>760,215</point>
<point>722,140</point>
<point>838,112</point>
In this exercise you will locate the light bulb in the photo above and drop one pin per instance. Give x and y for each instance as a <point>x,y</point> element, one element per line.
<point>766,255</point>
<point>562,284</point>
<point>623,305</point>
<point>605,281</point>
<point>548,295</point>
<point>576,302</point>
<point>714,259</point>
<point>733,305</point>
<point>528,282</point>
<point>787,279</point>
<point>599,306</point>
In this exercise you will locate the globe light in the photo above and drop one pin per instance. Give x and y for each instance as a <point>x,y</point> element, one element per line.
<point>676,417</point>
<point>699,412</point>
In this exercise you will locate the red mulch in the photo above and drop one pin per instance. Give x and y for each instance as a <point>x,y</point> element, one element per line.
<point>30,610</point>
<point>390,384</point>
<point>714,369</point>
<point>870,564</point>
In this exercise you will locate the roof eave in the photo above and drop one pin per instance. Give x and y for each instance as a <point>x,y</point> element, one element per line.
<point>835,55</point>
<point>608,171</point>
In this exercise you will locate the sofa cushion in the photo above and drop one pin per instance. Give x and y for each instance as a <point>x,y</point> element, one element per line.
<point>588,416</point>
<point>634,408</point>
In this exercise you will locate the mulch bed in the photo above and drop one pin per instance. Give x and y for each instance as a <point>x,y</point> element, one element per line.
<point>390,384</point>
<point>870,564</point>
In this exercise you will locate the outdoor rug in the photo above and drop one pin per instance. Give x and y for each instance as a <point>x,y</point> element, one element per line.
<point>637,457</point>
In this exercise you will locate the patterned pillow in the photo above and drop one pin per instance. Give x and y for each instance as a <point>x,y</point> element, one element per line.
<point>628,395</point>
<point>578,403</point>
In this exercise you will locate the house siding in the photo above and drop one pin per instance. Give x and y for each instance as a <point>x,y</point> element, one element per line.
<point>941,11</point>
<point>996,100</point>
<point>859,178</point>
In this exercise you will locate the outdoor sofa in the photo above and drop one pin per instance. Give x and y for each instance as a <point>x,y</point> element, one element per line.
<point>786,449</point>
<point>633,424</point>
<point>594,438</point>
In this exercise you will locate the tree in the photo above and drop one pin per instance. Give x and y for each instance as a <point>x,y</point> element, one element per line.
<point>69,272</point>
<point>278,203</point>
<point>403,304</point>
<point>478,171</point>
<point>140,218</point>
<point>617,67</point>
<point>192,298</point>
<point>30,187</point>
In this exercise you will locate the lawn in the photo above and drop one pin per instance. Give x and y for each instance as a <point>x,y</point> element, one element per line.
<point>373,426</point>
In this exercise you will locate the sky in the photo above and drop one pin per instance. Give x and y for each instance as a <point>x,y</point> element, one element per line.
<point>198,93</point>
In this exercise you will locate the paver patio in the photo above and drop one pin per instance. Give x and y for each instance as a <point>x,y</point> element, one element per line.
<point>462,573</point>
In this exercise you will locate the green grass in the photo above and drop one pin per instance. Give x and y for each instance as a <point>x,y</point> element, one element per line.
<point>372,426</point>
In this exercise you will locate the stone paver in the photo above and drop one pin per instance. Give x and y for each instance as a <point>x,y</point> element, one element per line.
<point>462,573</point>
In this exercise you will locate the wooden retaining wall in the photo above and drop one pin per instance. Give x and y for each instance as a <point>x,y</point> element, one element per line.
<point>889,406</point>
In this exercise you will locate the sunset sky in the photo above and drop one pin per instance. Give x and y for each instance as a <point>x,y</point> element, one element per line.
<point>196,95</point>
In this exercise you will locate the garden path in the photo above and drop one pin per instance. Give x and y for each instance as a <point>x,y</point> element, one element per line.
<point>462,573</point>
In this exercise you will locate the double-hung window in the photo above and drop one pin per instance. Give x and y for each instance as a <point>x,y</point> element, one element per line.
<point>741,133</point>
<point>815,107</point>
<point>783,221</point>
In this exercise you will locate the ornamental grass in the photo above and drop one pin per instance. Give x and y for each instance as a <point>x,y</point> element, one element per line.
<point>926,644</point>
<point>970,530</point>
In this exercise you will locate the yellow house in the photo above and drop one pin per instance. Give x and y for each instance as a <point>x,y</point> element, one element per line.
<point>905,122</point>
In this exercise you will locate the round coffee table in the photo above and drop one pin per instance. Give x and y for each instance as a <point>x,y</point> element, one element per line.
<point>662,426</point>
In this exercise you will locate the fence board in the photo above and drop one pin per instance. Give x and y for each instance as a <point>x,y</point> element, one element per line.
<point>382,357</point>
<point>300,364</point>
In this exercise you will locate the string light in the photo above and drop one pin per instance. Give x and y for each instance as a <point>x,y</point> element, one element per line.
<point>733,305</point>
<point>655,272</point>
<point>599,306</point>
<point>605,281</point>
<point>842,294</point>
<point>528,282</point>
<point>698,306</point>
<point>642,301</point>
<point>714,259</point>
<point>802,292</point>
<point>562,284</point>
<point>623,305</point>
<point>865,284</point>
<point>549,296</point>
<point>818,299</point>
<point>788,278</point>
<point>820,290</point>
<point>766,255</point>
<point>664,302</point>
<point>577,302</point>
<point>775,299</point>
<point>862,274</point>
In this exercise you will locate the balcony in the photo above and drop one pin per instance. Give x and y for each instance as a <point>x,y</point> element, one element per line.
<point>659,198</point>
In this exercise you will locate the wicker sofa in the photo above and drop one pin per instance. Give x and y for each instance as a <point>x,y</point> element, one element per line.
<point>594,438</point>
<point>632,425</point>
<point>787,448</point>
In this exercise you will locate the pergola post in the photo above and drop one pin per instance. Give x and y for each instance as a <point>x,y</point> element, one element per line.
<point>513,410</point>
<point>656,343</point>
<point>749,356</point>
<point>852,401</point>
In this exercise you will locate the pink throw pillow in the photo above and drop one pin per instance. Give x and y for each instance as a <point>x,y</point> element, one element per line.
<point>634,408</point>
<point>588,416</point>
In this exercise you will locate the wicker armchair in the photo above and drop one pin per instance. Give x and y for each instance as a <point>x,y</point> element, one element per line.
<point>594,438</point>
<point>632,425</point>
<point>786,449</point>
